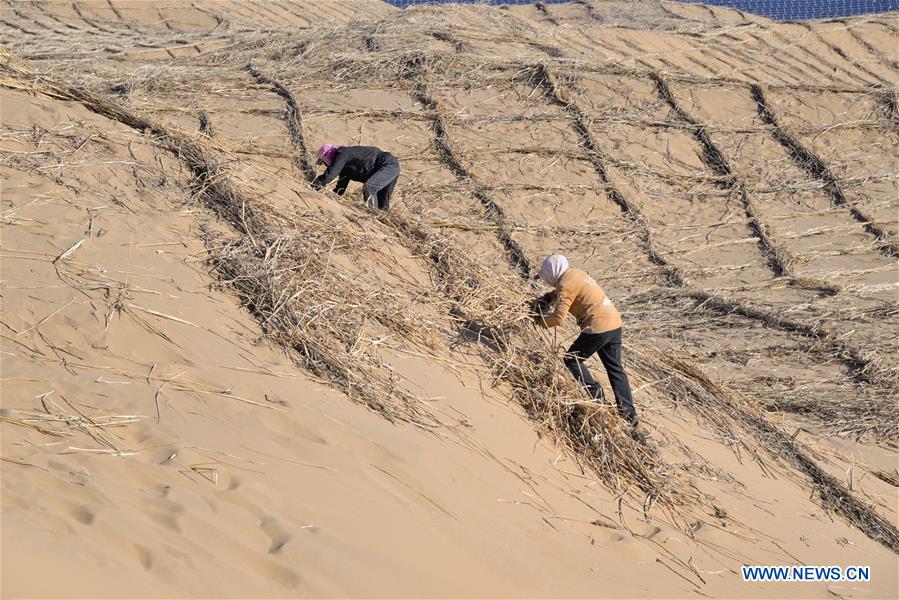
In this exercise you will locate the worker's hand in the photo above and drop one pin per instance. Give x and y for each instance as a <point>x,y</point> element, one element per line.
<point>538,308</point>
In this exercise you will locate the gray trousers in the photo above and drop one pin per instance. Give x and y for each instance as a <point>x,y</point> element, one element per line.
<point>378,188</point>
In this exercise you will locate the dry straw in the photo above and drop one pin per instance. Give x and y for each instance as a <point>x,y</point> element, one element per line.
<point>279,271</point>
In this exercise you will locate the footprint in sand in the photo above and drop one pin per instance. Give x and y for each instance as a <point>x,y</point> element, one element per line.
<point>648,531</point>
<point>606,536</point>
<point>157,491</point>
<point>83,514</point>
<point>276,532</point>
<point>144,556</point>
<point>271,570</point>
<point>163,511</point>
<point>170,522</point>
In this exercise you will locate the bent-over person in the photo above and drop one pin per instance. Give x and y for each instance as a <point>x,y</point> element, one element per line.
<point>377,170</point>
<point>577,293</point>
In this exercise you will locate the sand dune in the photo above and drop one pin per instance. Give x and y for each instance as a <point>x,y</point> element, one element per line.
<point>217,382</point>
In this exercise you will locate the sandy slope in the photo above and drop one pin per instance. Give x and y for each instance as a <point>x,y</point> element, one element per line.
<point>159,441</point>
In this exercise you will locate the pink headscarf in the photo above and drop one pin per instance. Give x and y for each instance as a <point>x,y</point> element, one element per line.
<point>326,153</point>
<point>552,269</point>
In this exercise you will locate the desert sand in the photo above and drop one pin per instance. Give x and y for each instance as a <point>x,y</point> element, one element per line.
<point>217,382</point>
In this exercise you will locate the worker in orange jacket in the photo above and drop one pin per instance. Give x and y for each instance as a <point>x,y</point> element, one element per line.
<point>577,293</point>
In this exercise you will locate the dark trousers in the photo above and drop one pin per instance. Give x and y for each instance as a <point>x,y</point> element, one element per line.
<point>382,182</point>
<point>608,346</point>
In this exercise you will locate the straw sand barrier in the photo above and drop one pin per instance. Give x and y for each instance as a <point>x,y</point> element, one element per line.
<point>816,168</point>
<point>519,356</point>
<point>254,265</point>
<point>863,367</point>
<point>509,345</point>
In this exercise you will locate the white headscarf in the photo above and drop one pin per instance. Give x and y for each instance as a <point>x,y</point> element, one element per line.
<point>553,268</point>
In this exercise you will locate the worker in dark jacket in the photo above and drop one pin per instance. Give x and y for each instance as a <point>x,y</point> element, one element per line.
<point>578,294</point>
<point>375,169</point>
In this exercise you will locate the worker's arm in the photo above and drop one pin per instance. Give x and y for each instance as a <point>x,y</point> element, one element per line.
<point>565,300</point>
<point>340,188</point>
<point>331,172</point>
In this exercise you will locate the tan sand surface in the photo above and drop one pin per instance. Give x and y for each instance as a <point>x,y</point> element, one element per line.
<point>217,382</point>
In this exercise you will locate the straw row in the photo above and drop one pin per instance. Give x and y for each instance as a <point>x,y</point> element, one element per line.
<point>266,268</point>
<point>492,309</point>
<point>816,168</point>
<point>777,257</point>
<point>294,121</point>
<point>861,367</point>
<point>888,102</point>
<point>447,154</point>
<point>834,495</point>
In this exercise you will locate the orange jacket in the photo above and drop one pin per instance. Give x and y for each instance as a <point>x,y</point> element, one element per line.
<point>579,294</point>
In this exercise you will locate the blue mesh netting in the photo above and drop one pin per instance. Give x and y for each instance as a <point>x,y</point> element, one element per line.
<point>794,10</point>
<point>783,10</point>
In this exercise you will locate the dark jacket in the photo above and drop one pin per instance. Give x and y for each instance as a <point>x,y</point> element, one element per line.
<point>353,163</point>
